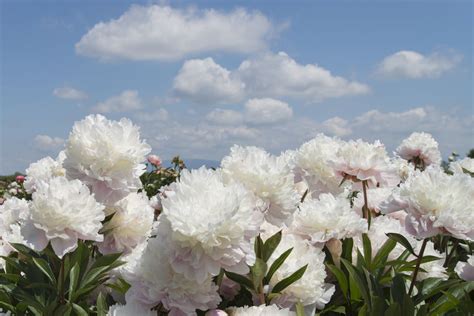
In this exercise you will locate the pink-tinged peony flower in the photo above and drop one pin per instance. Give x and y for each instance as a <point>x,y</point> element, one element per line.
<point>62,212</point>
<point>361,161</point>
<point>313,164</point>
<point>465,270</point>
<point>20,179</point>
<point>262,310</point>
<point>268,177</point>
<point>12,213</point>
<point>129,226</point>
<point>130,309</point>
<point>436,202</point>
<point>43,170</point>
<point>154,281</point>
<point>465,165</point>
<point>106,155</point>
<point>325,218</point>
<point>378,198</point>
<point>216,312</point>
<point>154,160</point>
<point>211,223</point>
<point>421,149</point>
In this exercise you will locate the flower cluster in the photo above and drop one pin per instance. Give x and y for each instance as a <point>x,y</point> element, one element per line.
<point>331,226</point>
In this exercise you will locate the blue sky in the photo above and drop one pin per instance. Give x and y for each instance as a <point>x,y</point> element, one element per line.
<point>201,76</point>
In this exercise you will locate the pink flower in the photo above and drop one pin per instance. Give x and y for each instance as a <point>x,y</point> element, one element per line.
<point>154,160</point>
<point>20,179</point>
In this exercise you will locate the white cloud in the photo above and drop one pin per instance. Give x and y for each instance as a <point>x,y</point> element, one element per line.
<point>269,75</point>
<point>156,116</point>
<point>128,100</point>
<point>225,117</point>
<point>267,111</point>
<point>69,93</point>
<point>158,32</point>
<point>204,81</point>
<point>336,126</point>
<point>413,65</point>
<point>48,143</point>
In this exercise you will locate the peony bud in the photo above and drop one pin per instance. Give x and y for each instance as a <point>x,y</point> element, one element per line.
<point>20,179</point>
<point>216,312</point>
<point>154,160</point>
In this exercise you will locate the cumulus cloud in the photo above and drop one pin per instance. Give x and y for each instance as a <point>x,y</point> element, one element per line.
<point>69,93</point>
<point>414,65</point>
<point>48,143</point>
<point>204,81</point>
<point>157,32</point>
<point>268,75</point>
<point>267,111</point>
<point>225,117</point>
<point>336,126</point>
<point>128,100</point>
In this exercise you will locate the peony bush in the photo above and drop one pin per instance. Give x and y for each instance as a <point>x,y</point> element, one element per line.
<point>332,227</point>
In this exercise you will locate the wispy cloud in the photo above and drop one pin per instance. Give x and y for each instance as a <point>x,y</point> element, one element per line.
<point>126,101</point>
<point>70,93</point>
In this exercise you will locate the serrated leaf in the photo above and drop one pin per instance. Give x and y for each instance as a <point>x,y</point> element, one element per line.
<point>402,241</point>
<point>277,264</point>
<point>283,284</point>
<point>270,245</point>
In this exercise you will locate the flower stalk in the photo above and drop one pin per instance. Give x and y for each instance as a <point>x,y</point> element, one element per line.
<point>418,264</point>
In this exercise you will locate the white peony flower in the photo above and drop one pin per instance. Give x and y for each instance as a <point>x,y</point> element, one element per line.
<point>463,165</point>
<point>361,161</point>
<point>211,223</point>
<point>310,289</point>
<point>12,212</point>
<point>434,269</point>
<point>130,224</point>
<point>262,310</point>
<point>106,155</point>
<point>327,217</point>
<point>312,163</point>
<point>62,212</point>
<point>375,198</point>
<point>155,281</point>
<point>436,202</point>
<point>44,169</point>
<point>420,148</point>
<point>130,309</point>
<point>465,270</point>
<point>267,177</point>
<point>405,169</point>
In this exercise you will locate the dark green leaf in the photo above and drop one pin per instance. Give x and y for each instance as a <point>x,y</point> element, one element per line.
<point>283,284</point>
<point>45,268</point>
<point>73,279</point>
<point>402,241</point>
<point>270,245</point>
<point>341,278</point>
<point>101,304</point>
<point>79,310</point>
<point>258,271</point>
<point>240,279</point>
<point>277,264</point>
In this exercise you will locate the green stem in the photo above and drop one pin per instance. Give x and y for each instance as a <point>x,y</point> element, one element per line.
<point>365,208</point>
<point>61,282</point>
<point>417,267</point>
<point>448,258</point>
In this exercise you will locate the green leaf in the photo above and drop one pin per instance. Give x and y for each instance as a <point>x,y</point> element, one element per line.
<point>367,249</point>
<point>283,284</point>
<point>240,279</point>
<point>382,255</point>
<point>393,310</point>
<point>258,271</point>
<point>258,247</point>
<point>106,260</point>
<point>79,310</point>
<point>341,278</point>
<point>45,268</point>
<point>358,279</point>
<point>102,306</point>
<point>277,264</point>
<point>270,245</point>
<point>73,279</point>
<point>347,245</point>
<point>402,241</point>
<point>398,289</point>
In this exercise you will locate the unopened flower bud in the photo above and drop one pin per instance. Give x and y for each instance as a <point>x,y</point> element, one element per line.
<point>154,160</point>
